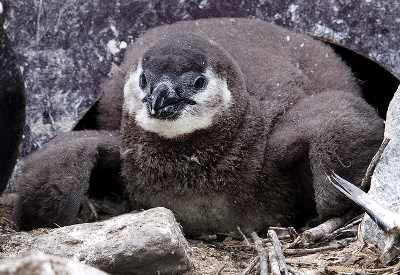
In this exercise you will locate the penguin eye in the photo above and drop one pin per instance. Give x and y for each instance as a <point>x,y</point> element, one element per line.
<point>199,82</point>
<point>142,81</point>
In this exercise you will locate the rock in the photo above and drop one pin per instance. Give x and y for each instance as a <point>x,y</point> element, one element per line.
<point>12,106</point>
<point>143,243</point>
<point>385,187</point>
<point>67,47</point>
<point>38,263</point>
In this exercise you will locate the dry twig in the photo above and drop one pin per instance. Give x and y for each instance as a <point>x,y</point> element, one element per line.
<point>306,251</point>
<point>293,270</point>
<point>278,251</point>
<point>244,236</point>
<point>295,243</point>
<point>251,266</point>
<point>338,269</point>
<point>285,234</point>
<point>313,234</point>
<point>273,260</point>
<point>332,235</point>
<point>258,244</point>
<point>366,182</point>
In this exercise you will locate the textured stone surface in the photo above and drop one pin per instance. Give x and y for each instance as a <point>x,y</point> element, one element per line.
<point>143,243</point>
<point>67,47</point>
<point>38,263</point>
<point>12,106</point>
<point>385,182</point>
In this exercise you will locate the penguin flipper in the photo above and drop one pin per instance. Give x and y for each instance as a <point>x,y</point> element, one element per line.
<point>55,179</point>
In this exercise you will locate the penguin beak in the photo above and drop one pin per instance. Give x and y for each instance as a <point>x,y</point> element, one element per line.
<point>163,96</point>
<point>165,103</point>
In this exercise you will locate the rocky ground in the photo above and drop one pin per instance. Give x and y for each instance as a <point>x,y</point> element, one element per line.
<point>231,253</point>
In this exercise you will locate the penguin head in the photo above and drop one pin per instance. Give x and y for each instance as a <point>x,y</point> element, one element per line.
<point>182,84</point>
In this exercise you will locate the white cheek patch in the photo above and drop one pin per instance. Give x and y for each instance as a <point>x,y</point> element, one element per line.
<point>215,98</point>
<point>216,94</point>
<point>133,94</point>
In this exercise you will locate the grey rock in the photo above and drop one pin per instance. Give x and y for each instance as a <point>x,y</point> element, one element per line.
<point>143,243</point>
<point>12,106</point>
<point>67,47</point>
<point>38,263</point>
<point>385,187</point>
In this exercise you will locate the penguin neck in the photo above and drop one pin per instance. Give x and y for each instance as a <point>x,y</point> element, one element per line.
<point>212,140</point>
<point>216,157</point>
<point>242,128</point>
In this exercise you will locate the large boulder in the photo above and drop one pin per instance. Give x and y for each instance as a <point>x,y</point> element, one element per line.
<point>12,105</point>
<point>385,182</point>
<point>143,243</point>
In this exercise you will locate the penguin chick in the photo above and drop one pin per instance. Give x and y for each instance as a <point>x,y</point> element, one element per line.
<point>230,122</point>
<point>12,105</point>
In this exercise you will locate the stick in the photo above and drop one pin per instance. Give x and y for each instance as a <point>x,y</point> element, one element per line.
<point>291,233</point>
<point>278,251</point>
<point>293,270</point>
<point>273,260</point>
<point>313,234</point>
<point>366,182</point>
<point>332,235</point>
<point>258,244</point>
<point>244,236</point>
<point>348,270</point>
<point>350,225</point>
<point>295,243</point>
<point>251,265</point>
<point>306,251</point>
<point>302,263</point>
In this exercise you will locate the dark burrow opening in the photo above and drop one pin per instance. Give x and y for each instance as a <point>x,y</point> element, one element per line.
<point>377,83</point>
